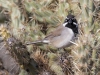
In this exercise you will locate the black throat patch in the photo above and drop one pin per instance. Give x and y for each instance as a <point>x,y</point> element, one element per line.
<point>71,22</point>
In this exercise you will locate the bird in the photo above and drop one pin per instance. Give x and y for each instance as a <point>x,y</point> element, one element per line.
<point>63,36</point>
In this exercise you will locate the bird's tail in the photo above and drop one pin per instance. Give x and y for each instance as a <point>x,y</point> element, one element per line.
<point>35,42</point>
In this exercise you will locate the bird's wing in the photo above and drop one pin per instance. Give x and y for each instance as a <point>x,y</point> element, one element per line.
<point>55,33</point>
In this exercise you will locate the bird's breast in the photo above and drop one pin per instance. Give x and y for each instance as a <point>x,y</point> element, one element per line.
<point>64,39</point>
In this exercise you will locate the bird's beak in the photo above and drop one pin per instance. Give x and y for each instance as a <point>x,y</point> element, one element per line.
<point>70,21</point>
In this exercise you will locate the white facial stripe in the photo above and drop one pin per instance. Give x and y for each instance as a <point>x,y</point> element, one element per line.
<point>75,23</point>
<point>67,18</point>
<point>65,24</point>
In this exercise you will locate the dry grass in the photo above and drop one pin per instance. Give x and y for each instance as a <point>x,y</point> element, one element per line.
<point>32,20</point>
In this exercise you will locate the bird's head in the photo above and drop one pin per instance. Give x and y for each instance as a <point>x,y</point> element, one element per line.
<point>71,22</point>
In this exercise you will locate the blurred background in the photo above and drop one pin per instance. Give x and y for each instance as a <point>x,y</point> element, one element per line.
<point>23,21</point>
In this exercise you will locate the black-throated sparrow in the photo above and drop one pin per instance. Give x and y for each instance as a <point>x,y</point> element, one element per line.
<point>64,35</point>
